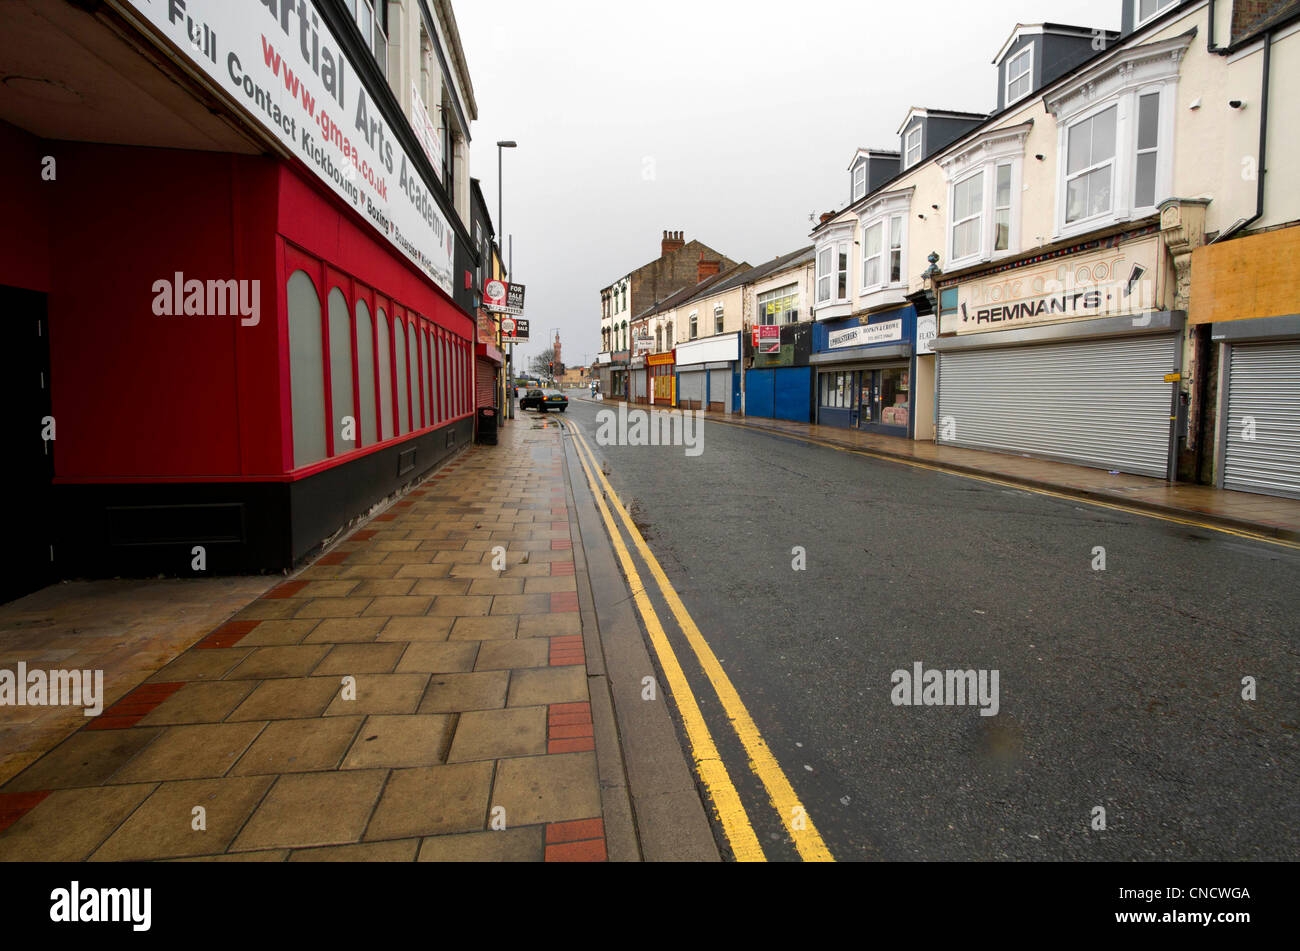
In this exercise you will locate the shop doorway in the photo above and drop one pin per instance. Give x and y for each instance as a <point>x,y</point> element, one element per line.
<point>872,400</point>
<point>30,468</point>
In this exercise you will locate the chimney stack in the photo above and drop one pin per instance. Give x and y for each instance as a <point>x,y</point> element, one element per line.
<point>707,269</point>
<point>673,241</point>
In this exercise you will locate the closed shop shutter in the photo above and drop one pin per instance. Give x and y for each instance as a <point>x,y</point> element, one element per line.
<point>720,390</point>
<point>1101,403</point>
<point>485,382</point>
<point>1262,445</point>
<point>690,389</point>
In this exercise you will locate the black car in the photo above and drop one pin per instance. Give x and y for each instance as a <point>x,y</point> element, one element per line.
<point>543,400</point>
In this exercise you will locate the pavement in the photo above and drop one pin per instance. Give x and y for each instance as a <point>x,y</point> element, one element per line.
<point>1270,516</point>
<point>431,688</point>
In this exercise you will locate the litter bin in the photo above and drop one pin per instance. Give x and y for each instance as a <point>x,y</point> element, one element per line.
<point>487,425</point>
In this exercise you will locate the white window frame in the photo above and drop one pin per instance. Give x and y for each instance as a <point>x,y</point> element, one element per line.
<point>881,223</point>
<point>719,318</point>
<point>981,216</point>
<point>860,187</point>
<point>1028,52</point>
<point>1113,161</point>
<point>825,272</point>
<point>695,324</point>
<point>997,147</point>
<point>1161,7</point>
<point>1126,76</point>
<point>908,146</point>
<point>1124,169</point>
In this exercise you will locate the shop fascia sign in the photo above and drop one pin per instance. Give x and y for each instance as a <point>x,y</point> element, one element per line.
<point>644,344</point>
<point>1118,281</point>
<point>291,76</point>
<point>887,331</point>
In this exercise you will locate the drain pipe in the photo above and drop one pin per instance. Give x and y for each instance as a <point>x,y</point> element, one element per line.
<point>1262,170</point>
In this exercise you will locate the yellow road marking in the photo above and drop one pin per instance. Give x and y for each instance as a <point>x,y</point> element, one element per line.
<point>761,760</point>
<point>708,763</point>
<point>1130,510</point>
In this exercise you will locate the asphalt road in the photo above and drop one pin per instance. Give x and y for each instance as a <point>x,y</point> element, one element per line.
<point>1118,688</point>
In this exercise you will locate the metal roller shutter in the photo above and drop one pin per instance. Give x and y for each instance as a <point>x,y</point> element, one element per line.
<point>485,382</point>
<point>720,389</point>
<point>690,388</point>
<point>1102,403</point>
<point>1263,403</point>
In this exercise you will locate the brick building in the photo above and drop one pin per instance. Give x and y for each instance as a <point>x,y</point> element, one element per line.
<point>680,264</point>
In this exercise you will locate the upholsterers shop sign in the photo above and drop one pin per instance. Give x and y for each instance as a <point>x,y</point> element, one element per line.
<point>887,331</point>
<point>279,62</point>
<point>1113,282</point>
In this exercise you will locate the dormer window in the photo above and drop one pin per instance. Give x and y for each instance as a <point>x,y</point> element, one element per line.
<point>1020,74</point>
<point>1147,9</point>
<point>860,180</point>
<point>912,147</point>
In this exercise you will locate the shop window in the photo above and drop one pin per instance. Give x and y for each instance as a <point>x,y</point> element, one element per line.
<point>341,371</point>
<point>306,370</point>
<point>413,377</point>
<point>403,389</point>
<point>366,374</point>
<point>385,378</point>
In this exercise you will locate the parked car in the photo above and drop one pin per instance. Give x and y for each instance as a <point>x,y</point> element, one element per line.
<point>555,400</point>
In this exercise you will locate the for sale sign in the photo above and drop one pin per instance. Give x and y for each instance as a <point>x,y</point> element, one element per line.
<point>515,299</point>
<point>513,329</point>
<point>494,295</point>
<point>769,338</point>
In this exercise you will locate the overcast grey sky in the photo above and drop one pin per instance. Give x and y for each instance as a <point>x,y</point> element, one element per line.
<point>730,120</point>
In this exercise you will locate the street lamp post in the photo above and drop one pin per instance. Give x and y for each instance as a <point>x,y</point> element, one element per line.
<point>510,354</point>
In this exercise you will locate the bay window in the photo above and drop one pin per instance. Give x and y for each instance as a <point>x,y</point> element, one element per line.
<point>824,274</point>
<point>873,253</point>
<point>1116,133</point>
<point>967,216</point>
<point>1090,166</point>
<point>984,195</point>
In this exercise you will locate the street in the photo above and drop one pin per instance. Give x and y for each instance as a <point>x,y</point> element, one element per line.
<point>1120,688</point>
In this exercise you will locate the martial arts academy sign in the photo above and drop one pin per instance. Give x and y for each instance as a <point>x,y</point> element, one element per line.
<point>282,65</point>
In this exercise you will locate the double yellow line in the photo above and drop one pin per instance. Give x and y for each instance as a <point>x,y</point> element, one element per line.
<point>708,763</point>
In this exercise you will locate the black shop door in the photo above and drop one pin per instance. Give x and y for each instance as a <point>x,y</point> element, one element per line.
<point>25,383</point>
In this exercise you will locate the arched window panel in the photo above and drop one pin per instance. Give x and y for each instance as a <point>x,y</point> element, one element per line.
<point>306,370</point>
<point>369,421</point>
<point>413,378</point>
<point>385,377</point>
<point>343,408</point>
<point>424,374</point>
<point>403,391</point>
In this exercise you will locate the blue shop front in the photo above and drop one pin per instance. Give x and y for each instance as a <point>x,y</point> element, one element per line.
<point>866,368</point>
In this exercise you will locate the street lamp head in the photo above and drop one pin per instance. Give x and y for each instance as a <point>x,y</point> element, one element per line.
<point>508,144</point>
